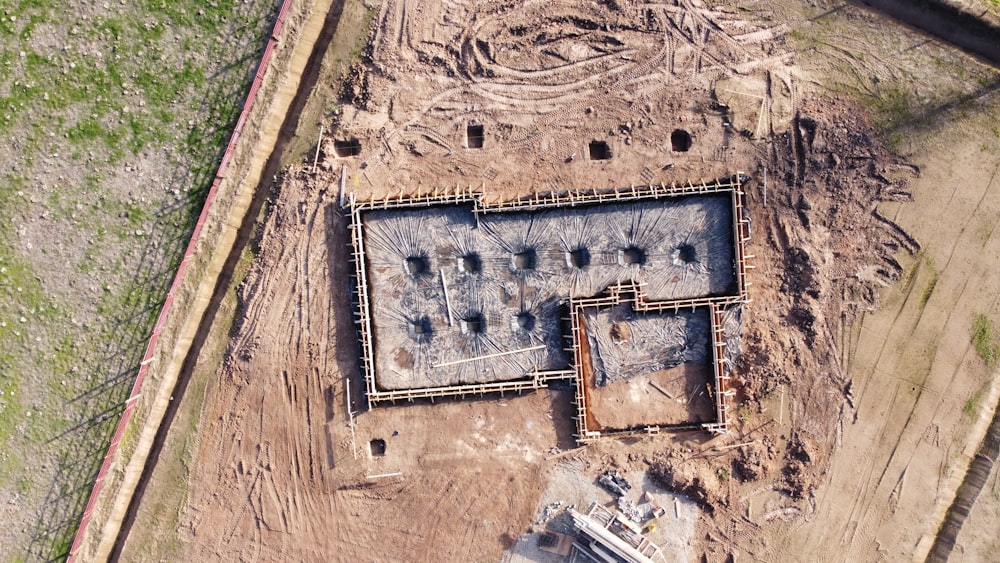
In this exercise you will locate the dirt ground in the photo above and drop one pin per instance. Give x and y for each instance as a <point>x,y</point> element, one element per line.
<point>861,398</point>
<point>681,398</point>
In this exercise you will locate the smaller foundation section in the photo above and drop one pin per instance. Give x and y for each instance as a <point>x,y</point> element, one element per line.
<point>644,366</point>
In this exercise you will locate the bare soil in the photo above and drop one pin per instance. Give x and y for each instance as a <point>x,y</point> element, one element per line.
<point>851,435</point>
<point>673,396</point>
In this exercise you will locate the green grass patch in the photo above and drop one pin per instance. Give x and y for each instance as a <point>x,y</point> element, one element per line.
<point>931,283</point>
<point>985,340</point>
<point>141,79</point>
<point>744,413</point>
<point>926,295</point>
<point>63,542</point>
<point>127,92</point>
<point>891,109</point>
<point>971,407</point>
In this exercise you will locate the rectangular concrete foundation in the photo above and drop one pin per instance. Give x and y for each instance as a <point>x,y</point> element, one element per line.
<point>457,295</point>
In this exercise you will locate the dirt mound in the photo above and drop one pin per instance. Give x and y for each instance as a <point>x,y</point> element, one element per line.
<point>698,478</point>
<point>758,375</point>
<point>799,482</point>
<point>754,460</point>
<point>799,275</point>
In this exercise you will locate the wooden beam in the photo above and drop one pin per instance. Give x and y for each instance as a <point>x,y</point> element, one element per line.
<point>447,300</point>
<point>660,389</point>
<point>488,356</point>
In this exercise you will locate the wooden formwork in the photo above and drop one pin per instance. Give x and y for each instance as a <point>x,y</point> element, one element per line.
<point>542,200</point>
<point>362,311</point>
<point>626,291</point>
<point>571,198</point>
<point>723,394</point>
<point>536,380</point>
<point>616,295</point>
<point>581,363</point>
<point>454,195</point>
<point>741,236</point>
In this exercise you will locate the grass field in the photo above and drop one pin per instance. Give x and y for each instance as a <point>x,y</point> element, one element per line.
<point>114,116</point>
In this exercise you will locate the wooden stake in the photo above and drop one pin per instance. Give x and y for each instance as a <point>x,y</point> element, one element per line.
<point>350,416</point>
<point>731,446</point>
<point>765,185</point>
<point>566,453</point>
<point>661,389</point>
<point>343,184</point>
<point>781,410</point>
<point>318,145</point>
<point>381,475</point>
<point>760,119</point>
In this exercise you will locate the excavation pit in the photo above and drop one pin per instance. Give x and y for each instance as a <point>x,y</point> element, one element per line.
<point>416,266</point>
<point>632,256</point>
<point>599,150</point>
<point>523,322</point>
<point>578,258</point>
<point>377,447</point>
<point>524,260</point>
<point>685,254</point>
<point>345,148</point>
<point>474,136</point>
<point>680,140</point>
<point>419,329</point>
<point>470,263</point>
<point>472,325</point>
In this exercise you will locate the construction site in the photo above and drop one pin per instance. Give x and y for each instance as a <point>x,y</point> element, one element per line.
<point>611,281</point>
<point>459,297</point>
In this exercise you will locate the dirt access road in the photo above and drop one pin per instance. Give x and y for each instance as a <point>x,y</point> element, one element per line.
<point>857,344</point>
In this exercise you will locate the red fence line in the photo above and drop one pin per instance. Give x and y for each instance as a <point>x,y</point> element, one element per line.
<point>178,277</point>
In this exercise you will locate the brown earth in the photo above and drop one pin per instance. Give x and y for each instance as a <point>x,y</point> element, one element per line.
<point>860,289</point>
<point>682,398</point>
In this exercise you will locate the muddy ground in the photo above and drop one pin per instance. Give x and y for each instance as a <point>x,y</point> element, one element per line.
<point>854,425</point>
